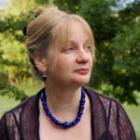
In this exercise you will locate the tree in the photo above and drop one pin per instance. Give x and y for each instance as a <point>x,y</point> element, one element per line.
<point>112,39</point>
<point>14,66</point>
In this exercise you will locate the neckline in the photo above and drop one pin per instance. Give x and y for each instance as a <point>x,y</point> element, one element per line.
<point>90,96</point>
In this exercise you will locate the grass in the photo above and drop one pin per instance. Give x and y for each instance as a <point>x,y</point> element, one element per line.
<point>7,103</point>
<point>132,110</point>
<point>134,115</point>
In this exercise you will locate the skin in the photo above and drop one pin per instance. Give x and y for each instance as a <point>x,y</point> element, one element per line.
<point>73,69</point>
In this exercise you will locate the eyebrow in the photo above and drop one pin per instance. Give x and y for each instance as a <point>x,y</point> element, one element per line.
<point>74,42</point>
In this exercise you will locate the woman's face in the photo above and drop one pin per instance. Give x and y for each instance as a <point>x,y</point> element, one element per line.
<point>74,61</point>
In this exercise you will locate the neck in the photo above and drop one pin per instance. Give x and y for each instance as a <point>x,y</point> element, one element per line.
<point>63,100</point>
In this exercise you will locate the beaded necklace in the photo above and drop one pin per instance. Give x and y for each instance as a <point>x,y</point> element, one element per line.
<point>60,123</point>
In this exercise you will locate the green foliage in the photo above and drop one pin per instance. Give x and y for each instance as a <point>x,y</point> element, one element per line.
<point>68,5</point>
<point>130,14</point>
<point>117,49</point>
<point>10,67</point>
<point>42,2</point>
<point>9,90</point>
<point>14,64</point>
<point>99,15</point>
<point>126,52</point>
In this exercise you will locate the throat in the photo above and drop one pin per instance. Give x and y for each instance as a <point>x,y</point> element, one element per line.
<point>69,110</point>
<point>64,102</point>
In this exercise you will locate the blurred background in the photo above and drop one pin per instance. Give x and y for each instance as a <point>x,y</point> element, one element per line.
<point>116,28</point>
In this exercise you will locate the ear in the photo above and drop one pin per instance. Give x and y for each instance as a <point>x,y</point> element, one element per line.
<point>40,61</point>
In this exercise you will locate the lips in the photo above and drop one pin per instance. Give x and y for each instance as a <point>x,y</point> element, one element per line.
<point>82,71</point>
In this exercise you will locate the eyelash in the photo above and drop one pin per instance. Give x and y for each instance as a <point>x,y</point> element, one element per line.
<point>89,48</point>
<point>68,49</point>
<point>74,48</point>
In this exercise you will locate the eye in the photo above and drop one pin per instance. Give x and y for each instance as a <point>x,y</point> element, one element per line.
<point>88,48</point>
<point>68,49</point>
<point>71,48</point>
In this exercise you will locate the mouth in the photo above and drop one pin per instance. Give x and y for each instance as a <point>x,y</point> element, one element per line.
<point>82,71</point>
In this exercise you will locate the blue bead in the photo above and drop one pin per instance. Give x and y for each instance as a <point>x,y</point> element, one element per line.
<point>80,113</point>
<point>75,121</point>
<point>65,124</point>
<point>49,113</point>
<point>53,118</point>
<point>58,122</point>
<point>78,118</point>
<point>46,108</point>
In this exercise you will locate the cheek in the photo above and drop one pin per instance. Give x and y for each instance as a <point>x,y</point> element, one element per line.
<point>91,63</point>
<point>91,59</point>
<point>64,63</point>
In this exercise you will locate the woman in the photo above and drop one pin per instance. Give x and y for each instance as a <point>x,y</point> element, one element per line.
<point>61,49</point>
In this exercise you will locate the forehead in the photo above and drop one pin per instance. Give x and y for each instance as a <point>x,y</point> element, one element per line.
<point>76,31</point>
<point>70,29</point>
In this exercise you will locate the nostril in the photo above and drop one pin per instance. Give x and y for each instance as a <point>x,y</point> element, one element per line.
<point>82,59</point>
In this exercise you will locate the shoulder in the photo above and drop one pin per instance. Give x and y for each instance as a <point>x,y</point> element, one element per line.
<point>107,105</point>
<point>13,115</point>
<point>21,106</point>
<point>114,116</point>
<point>16,112</point>
<point>102,99</point>
<point>10,120</point>
<point>19,116</point>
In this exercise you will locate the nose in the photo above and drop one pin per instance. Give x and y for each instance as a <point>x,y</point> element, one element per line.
<point>83,56</point>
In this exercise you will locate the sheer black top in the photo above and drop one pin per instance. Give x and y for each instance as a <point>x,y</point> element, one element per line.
<point>109,120</point>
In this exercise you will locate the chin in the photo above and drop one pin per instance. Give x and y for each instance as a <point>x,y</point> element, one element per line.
<point>81,81</point>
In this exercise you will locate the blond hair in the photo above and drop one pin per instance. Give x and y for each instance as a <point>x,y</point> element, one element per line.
<point>50,29</point>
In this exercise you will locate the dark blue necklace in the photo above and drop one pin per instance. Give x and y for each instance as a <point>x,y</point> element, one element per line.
<point>64,124</point>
